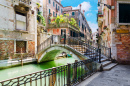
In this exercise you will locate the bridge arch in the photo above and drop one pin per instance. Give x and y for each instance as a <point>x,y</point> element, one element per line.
<point>52,52</point>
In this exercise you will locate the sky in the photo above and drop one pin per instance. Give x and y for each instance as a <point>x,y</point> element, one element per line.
<point>90,7</point>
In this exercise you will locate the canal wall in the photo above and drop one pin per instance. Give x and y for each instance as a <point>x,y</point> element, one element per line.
<point>11,63</point>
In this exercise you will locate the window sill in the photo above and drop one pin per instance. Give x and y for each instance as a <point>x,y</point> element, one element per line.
<point>21,31</point>
<point>123,23</point>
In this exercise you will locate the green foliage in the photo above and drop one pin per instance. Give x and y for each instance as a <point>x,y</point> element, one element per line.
<point>40,17</point>
<point>38,5</point>
<point>64,19</point>
<point>73,22</point>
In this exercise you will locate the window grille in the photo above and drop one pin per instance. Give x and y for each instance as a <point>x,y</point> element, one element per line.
<point>20,45</point>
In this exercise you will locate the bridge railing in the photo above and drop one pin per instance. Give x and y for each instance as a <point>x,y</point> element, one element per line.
<point>84,48</point>
<point>66,75</point>
<point>45,44</point>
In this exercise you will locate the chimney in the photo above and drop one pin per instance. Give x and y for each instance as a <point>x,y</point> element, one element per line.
<point>83,11</point>
<point>80,6</point>
<point>60,1</point>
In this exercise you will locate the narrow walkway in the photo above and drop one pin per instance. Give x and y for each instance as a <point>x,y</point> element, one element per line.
<point>118,76</point>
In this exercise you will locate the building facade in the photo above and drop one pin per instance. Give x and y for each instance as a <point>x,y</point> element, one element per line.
<point>114,28</point>
<point>18,27</point>
<point>78,15</point>
<point>52,8</point>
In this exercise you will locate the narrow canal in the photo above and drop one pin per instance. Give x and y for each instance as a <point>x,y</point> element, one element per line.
<point>30,68</point>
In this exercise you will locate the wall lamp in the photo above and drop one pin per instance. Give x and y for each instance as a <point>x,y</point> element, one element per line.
<point>108,6</point>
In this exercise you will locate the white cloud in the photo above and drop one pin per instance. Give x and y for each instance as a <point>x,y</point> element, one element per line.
<point>93,26</point>
<point>85,6</point>
<point>89,14</point>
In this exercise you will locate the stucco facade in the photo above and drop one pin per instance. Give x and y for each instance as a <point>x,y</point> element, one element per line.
<point>81,21</point>
<point>18,25</point>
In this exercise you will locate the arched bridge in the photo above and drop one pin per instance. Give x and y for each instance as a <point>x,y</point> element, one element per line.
<point>50,53</point>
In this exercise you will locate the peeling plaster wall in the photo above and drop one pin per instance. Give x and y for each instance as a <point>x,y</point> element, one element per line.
<point>8,26</point>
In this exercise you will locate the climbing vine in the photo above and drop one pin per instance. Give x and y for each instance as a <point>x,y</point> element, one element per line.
<point>40,18</point>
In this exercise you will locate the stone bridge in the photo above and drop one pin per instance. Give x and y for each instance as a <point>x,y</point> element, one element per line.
<point>52,52</point>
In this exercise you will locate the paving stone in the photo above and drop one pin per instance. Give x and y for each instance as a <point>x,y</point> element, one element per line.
<point>118,76</point>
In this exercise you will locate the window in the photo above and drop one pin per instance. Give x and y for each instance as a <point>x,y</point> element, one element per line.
<point>20,45</point>
<point>53,4</point>
<point>124,13</point>
<point>58,8</point>
<point>61,10</point>
<point>20,21</point>
<point>79,23</point>
<point>82,27</point>
<point>49,11</point>
<point>50,1</point>
<point>73,13</point>
<point>53,13</point>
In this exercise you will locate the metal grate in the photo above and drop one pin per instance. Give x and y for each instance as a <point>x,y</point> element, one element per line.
<point>20,45</point>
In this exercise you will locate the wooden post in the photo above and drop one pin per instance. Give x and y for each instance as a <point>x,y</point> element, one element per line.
<point>21,58</point>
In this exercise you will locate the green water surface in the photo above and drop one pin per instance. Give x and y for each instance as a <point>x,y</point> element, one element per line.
<point>30,68</point>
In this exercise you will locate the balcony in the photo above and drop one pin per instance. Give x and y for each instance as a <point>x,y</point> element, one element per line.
<point>63,25</point>
<point>24,2</point>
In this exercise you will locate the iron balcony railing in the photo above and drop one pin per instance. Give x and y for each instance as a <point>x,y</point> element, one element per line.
<point>27,2</point>
<point>63,25</point>
<point>66,75</point>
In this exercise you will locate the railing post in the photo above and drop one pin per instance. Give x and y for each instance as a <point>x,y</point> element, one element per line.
<point>52,39</point>
<point>68,74</point>
<point>110,53</point>
<point>100,55</point>
<point>64,39</point>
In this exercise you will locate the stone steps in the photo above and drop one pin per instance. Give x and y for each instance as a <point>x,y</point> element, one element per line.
<point>109,67</point>
<point>105,63</point>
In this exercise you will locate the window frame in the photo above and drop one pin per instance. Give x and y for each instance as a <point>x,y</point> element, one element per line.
<point>49,1</point>
<point>72,13</point>
<point>49,11</point>
<point>26,46</point>
<point>121,2</point>
<point>53,4</point>
<point>61,10</point>
<point>53,14</point>
<point>23,14</point>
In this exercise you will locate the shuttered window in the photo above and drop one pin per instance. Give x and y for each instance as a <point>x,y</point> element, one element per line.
<point>124,13</point>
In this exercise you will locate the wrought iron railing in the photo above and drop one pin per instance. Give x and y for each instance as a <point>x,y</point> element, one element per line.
<point>28,2</point>
<point>66,75</point>
<point>104,50</point>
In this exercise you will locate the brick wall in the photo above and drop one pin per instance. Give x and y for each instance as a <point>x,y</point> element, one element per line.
<point>31,47</point>
<point>123,49</point>
<point>6,48</point>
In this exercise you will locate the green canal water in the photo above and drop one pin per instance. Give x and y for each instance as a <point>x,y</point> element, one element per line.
<point>30,68</point>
